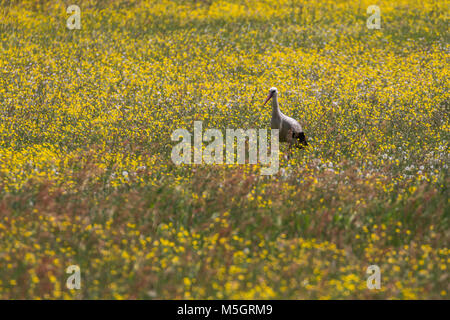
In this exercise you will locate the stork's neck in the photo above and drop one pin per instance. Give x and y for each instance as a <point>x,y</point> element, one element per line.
<point>275,107</point>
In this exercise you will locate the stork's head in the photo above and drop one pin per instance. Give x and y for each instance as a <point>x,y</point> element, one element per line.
<point>272,92</point>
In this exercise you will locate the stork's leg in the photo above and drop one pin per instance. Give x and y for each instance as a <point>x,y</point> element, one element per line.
<point>289,150</point>
<point>290,141</point>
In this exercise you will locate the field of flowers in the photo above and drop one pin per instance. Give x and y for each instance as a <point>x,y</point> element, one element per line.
<point>86,176</point>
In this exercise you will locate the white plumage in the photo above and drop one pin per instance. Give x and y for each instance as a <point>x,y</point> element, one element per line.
<point>290,130</point>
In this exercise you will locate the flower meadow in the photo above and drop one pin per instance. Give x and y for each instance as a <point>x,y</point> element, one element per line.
<point>86,178</point>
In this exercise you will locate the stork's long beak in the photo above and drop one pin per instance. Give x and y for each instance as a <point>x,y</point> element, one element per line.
<point>268,98</point>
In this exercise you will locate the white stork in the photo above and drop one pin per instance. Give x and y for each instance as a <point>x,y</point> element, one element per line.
<point>290,130</point>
